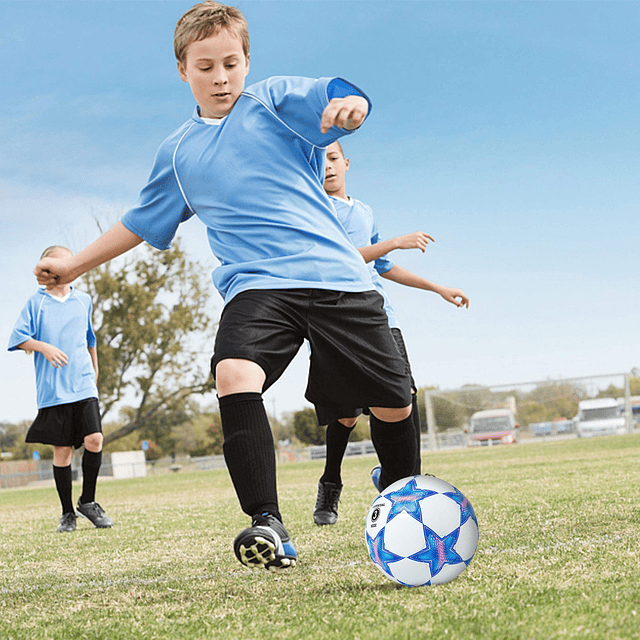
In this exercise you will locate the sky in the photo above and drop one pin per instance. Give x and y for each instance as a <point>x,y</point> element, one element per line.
<point>510,131</point>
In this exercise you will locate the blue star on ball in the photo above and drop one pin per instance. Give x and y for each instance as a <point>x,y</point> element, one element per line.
<point>381,556</point>
<point>407,500</point>
<point>466,510</point>
<point>439,551</point>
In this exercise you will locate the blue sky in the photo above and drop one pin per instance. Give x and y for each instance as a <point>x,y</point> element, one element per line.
<point>508,130</point>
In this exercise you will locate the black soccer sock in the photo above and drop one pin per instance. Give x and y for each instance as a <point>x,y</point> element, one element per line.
<point>395,444</point>
<point>249,452</point>
<point>415,416</point>
<point>337,440</point>
<point>91,463</point>
<point>62,477</point>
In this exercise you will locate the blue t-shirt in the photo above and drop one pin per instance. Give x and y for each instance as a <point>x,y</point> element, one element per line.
<point>255,180</point>
<point>357,219</point>
<point>66,325</point>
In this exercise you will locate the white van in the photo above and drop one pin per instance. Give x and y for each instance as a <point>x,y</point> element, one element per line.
<point>492,426</point>
<point>600,417</point>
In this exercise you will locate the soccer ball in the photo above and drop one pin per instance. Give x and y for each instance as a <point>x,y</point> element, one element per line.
<point>421,530</point>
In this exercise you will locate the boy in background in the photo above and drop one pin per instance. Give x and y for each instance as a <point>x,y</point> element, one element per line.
<point>250,164</point>
<point>357,218</point>
<point>55,325</point>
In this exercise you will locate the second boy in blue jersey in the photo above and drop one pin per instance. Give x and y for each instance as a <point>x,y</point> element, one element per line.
<point>357,219</point>
<point>250,164</point>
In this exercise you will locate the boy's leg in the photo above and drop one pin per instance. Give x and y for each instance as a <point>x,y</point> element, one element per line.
<point>355,362</point>
<point>395,444</point>
<point>417,468</point>
<point>63,480</point>
<point>415,417</point>
<point>91,463</point>
<point>62,477</point>
<point>330,483</point>
<point>399,340</point>
<point>248,437</point>
<point>250,457</point>
<point>87,416</point>
<point>338,433</point>
<point>258,336</point>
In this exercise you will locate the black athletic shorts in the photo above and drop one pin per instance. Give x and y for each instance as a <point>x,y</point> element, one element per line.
<point>66,425</point>
<point>354,359</point>
<point>397,336</point>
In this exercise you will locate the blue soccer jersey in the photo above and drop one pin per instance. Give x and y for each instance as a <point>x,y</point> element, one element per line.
<point>357,219</point>
<point>255,179</point>
<point>66,325</point>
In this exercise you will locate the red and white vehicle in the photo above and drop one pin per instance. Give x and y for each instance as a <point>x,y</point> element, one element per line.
<point>493,426</point>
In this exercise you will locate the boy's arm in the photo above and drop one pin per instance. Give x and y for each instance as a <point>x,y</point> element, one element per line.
<point>408,279</point>
<point>115,242</point>
<point>93,352</point>
<point>415,240</point>
<point>54,355</point>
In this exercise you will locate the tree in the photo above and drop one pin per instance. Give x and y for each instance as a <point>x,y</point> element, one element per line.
<point>550,400</point>
<point>306,427</point>
<point>151,321</point>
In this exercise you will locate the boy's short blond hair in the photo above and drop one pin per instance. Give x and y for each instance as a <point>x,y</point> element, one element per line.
<point>205,19</point>
<point>49,250</point>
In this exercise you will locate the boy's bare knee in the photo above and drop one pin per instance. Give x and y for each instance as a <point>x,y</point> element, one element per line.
<point>61,456</point>
<point>348,422</point>
<point>93,442</point>
<point>391,415</point>
<point>235,375</point>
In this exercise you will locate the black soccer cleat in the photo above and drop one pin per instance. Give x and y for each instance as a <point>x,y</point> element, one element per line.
<point>95,513</point>
<point>326,509</point>
<point>67,522</point>
<point>265,544</point>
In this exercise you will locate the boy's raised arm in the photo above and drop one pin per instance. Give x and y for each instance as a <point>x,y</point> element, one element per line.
<point>115,242</point>
<point>415,240</point>
<point>409,279</point>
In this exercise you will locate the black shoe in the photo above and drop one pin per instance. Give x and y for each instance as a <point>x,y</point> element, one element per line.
<point>67,522</point>
<point>326,509</point>
<point>94,512</point>
<point>265,543</point>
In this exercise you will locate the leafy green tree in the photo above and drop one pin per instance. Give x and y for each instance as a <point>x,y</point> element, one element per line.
<point>216,437</point>
<point>11,435</point>
<point>152,325</point>
<point>550,400</point>
<point>618,392</point>
<point>361,431</point>
<point>307,429</point>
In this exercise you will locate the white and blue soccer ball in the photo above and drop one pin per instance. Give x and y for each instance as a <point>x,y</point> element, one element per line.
<point>420,531</point>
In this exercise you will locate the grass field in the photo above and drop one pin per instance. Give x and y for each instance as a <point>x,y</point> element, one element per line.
<point>559,556</point>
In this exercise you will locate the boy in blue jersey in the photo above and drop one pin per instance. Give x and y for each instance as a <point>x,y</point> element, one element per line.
<point>55,325</point>
<point>357,218</point>
<point>250,164</point>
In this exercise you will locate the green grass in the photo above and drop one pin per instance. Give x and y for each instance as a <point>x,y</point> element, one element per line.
<point>559,556</point>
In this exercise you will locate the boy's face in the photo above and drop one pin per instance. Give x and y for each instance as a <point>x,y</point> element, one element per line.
<point>215,69</point>
<point>335,170</point>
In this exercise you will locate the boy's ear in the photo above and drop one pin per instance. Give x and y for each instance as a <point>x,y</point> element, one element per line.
<point>246,73</point>
<point>346,164</point>
<point>183,72</point>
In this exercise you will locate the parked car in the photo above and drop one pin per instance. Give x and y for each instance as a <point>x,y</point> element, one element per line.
<point>600,417</point>
<point>492,426</point>
<point>556,427</point>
